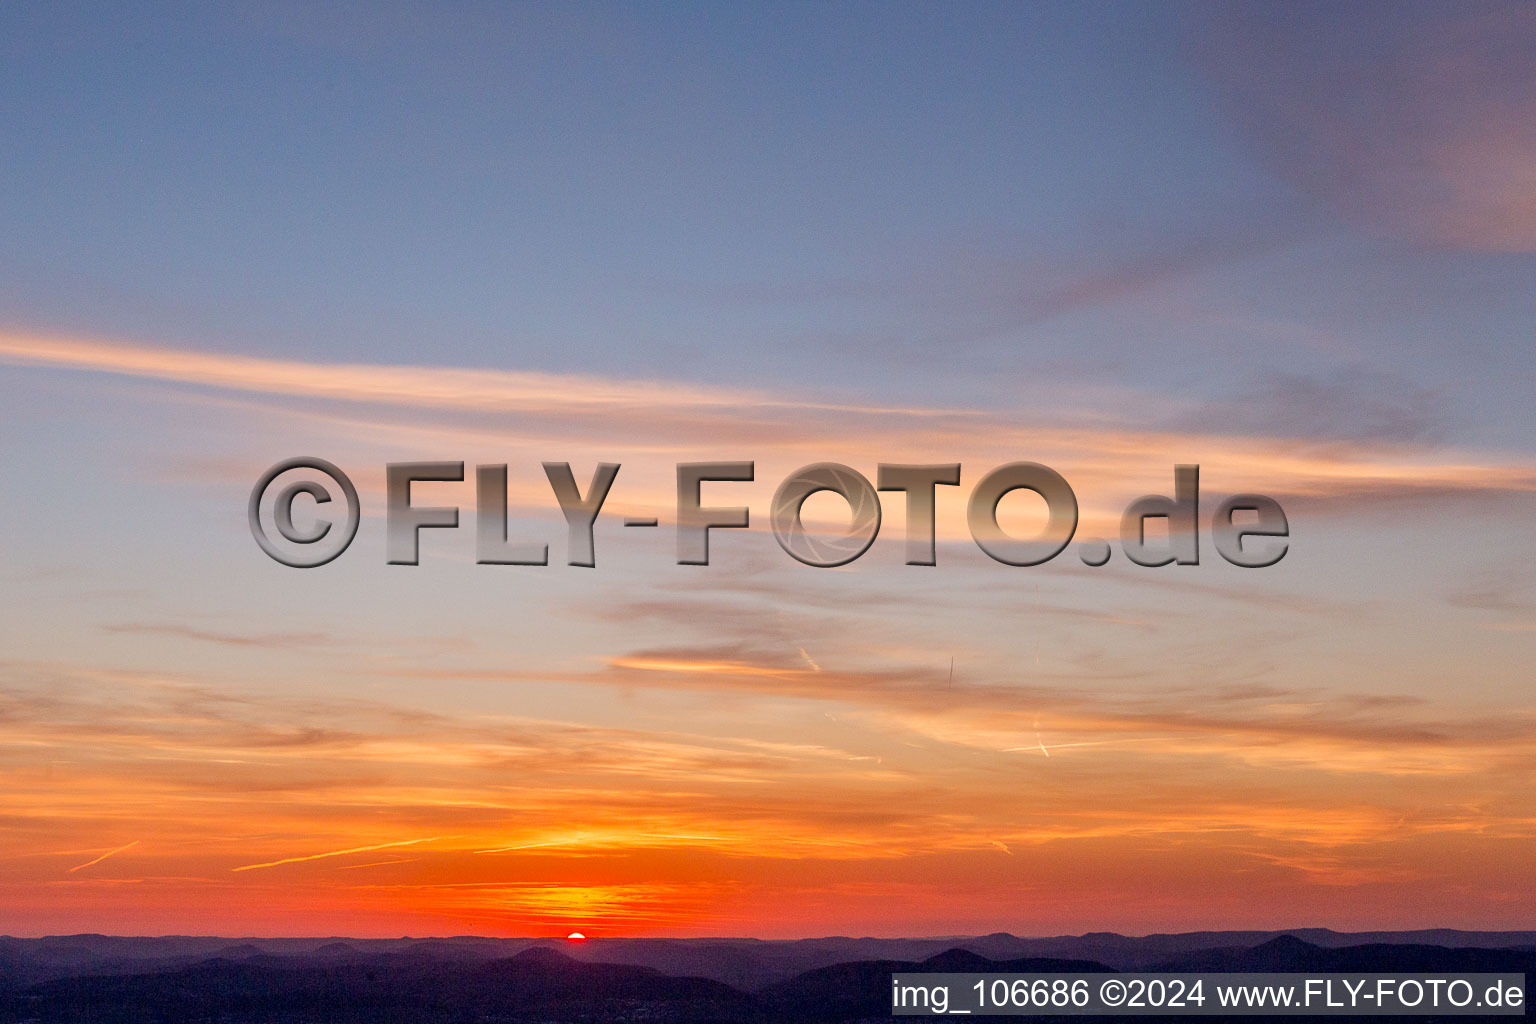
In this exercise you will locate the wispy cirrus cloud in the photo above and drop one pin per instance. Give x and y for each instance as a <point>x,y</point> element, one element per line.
<point>1110,457</point>
<point>223,638</point>
<point>418,386</point>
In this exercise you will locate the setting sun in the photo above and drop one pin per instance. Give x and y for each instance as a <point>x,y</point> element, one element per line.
<point>576,937</point>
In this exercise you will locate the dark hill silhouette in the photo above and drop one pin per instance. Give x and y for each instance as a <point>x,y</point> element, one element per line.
<point>336,949</point>
<point>1288,953</point>
<point>744,963</point>
<point>539,984</point>
<point>487,980</point>
<point>240,952</point>
<point>1285,953</point>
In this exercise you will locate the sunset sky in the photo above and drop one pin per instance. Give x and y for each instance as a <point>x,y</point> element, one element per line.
<point>1294,244</point>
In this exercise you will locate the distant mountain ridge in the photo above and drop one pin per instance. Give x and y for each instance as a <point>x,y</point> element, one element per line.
<point>256,981</point>
<point>743,963</point>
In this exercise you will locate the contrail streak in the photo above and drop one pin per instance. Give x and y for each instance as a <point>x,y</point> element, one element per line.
<point>341,853</point>
<point>103,857</point>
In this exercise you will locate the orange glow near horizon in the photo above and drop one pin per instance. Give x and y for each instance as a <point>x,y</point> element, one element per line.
<point>692,835</point>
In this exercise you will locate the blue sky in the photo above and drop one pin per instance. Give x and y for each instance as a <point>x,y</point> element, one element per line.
<point>918,200</point>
